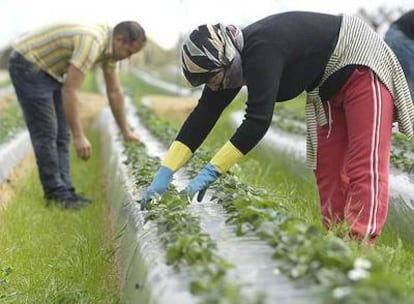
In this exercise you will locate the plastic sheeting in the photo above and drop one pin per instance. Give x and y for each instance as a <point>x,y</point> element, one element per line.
<point>6,90</point>
<point>13,152</point>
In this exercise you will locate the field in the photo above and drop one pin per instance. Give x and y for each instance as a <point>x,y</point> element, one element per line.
<point>256,237</point>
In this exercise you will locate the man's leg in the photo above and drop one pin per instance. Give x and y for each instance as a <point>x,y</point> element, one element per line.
<point>63,147</point>
<point>35,95</point>
<point>63,141</point>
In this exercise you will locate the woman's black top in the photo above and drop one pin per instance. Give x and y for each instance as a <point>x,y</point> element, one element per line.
<point>283,55</point>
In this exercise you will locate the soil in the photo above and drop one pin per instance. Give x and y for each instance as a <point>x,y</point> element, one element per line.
<point>172,107</point>
<point>90,106</point>
<point>6,100</point>
<point>13,184</point>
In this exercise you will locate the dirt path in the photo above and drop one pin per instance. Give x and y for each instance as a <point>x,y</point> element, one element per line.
<point>12,184</point>
<point>90,106</point>
<point>172,107</point>
<point>6,100</point>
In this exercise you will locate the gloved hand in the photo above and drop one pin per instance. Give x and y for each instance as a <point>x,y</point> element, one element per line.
<point>159,185</point>
<point>202,181</point>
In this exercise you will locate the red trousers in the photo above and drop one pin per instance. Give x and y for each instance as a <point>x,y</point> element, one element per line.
<point>354,155</point>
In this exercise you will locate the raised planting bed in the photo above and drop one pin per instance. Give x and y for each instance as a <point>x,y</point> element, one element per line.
<point>144,274</point>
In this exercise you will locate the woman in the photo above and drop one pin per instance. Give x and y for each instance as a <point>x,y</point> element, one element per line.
<point>355,89</point>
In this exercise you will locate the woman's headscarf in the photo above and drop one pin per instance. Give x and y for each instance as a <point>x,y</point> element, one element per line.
<point>210,49</point>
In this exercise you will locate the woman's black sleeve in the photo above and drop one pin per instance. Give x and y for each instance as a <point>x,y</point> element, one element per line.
<point>263,72</point>
<point>204,116</point>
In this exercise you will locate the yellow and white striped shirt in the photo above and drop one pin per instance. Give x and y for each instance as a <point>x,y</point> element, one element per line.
<point>54,47</point>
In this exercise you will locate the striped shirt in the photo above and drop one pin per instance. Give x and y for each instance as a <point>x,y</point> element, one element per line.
<point>359,45</point>
<point>54,47</point>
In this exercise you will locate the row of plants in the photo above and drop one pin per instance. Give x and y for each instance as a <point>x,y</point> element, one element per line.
<point>402,153</point>
<point>306,251</point>
<point>187,247</point>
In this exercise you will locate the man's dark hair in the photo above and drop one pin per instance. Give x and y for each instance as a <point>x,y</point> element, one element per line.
<point>132,31</point>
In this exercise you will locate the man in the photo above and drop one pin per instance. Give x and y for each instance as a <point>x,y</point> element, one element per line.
<point>400,38</point>
<point>353,81</point>
<point>47,67</point>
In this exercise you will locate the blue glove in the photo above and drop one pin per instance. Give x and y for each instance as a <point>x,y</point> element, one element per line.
<point>159,185</point>
<point>202,181</point>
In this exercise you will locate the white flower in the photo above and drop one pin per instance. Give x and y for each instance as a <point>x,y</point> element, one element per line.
<point>360,263</point>
<point>341,292</point>
<point>276,271</point>
<point>358,274</point>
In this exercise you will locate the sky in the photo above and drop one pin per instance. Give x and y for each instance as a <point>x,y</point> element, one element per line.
<point>164,20</point>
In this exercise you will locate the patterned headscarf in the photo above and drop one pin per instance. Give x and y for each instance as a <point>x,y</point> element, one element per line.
<point>210,49</point>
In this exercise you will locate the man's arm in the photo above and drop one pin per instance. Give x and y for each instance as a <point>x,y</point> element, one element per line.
<point>117,103</point>
<point>73,82</point>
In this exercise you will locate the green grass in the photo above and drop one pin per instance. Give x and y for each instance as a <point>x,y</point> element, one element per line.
<point>293,109</point>
<point>4,79</point>
<point>11,121</point>
<point>58,256</point>
<point>89,84</point>
<point>137,88</point>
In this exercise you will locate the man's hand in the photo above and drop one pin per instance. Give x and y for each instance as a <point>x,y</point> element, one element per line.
<point>130,136</point>
<point>83,147</point>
